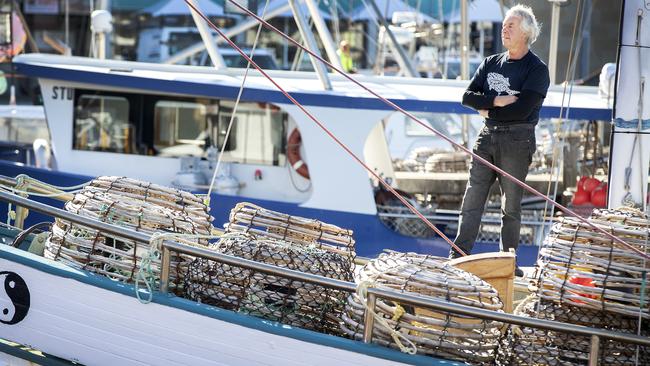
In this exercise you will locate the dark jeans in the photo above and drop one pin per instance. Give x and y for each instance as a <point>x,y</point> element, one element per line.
<point>511,149</point>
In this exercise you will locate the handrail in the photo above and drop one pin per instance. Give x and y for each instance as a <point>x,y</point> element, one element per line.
<point>415,300</point>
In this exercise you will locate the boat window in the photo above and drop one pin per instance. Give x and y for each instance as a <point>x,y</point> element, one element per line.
<point>102,124</point>
<point>180,128</point>
<point>256,136</point>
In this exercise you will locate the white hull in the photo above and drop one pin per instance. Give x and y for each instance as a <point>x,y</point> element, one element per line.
<point>83,317</point>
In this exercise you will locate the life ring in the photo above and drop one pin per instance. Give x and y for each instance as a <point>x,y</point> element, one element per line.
<point>293,154</point>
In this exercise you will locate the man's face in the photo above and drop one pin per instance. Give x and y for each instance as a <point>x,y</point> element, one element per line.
<point>511,34</point>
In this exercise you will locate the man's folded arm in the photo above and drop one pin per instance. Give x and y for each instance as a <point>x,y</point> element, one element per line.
<point>527,100</point>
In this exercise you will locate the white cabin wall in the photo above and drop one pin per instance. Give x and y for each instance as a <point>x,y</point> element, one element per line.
<point>377,155</point>
<point>340,183</point>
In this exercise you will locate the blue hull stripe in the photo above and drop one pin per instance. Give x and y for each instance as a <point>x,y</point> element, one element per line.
<point>124,80</point>
<point>60,270</point>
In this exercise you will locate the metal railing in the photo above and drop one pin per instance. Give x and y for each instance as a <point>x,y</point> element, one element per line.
<point>372,293</point>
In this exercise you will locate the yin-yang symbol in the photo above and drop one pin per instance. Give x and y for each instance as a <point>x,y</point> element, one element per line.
<point>14,298</point>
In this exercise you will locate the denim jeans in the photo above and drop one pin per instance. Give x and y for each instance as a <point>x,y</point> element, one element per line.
<point>511,149</point>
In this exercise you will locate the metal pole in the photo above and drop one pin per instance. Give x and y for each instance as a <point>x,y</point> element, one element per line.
<point>324,33</point>
<point>230,32</point>
<point>552,49</point>
<point>310,41</point>
<point>464,41</point>
<point>464,62</point>
<point>368,318</point>
<point>594,350</point>
<point>206,35</point>
<point>69,216</point>
<point>401,58</point>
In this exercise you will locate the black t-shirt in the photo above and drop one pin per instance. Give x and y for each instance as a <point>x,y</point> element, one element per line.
<point>497,75</point>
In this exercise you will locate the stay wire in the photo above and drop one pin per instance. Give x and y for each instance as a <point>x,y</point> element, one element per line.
<point>412,117</point>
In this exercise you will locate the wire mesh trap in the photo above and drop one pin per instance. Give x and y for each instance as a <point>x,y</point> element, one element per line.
<point>587,279</point>
<point>249,218</point>
<point>130,203</point>
<point>580,267</point>
<point>530,346</point>
<point>433,333</point>
<point>268,296</point>
<point>400,219</point>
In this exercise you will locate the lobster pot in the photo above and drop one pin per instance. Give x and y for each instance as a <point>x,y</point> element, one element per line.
<point>248,218</point>
<point>433,333</point>
<point>447,161</point>
<point>269,296</point>
<point>582,268</point>
<point>530,346</point>
<point>401,219</point>
<point>129,203</point>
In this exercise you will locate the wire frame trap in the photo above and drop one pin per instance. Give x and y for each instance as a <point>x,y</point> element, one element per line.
<point>249,218</point>
<point>582,268</point>
<point>432,333</point>
<point>140,206</point>
<point>268,296</point>
<point>399,218</point>
<point>531,346</point>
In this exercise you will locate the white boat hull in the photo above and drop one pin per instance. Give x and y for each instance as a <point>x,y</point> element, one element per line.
<point>87,318</point>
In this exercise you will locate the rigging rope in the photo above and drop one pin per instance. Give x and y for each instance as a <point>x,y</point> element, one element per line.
<point>408,114</point>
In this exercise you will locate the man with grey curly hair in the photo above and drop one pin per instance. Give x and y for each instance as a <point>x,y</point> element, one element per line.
<point>507,90</point>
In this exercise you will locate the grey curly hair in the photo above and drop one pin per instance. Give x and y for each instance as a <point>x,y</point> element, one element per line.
<point>529,23</point>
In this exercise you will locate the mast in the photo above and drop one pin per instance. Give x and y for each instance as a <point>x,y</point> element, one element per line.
<point>630,150</point>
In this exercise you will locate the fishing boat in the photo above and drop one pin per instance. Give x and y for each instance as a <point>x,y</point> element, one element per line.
<point>93,318</point>
<point>111,117</point>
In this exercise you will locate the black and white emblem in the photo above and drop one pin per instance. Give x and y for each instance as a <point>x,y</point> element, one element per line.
<point>14,298</point>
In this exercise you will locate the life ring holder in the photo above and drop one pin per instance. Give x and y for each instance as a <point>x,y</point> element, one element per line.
<point>293,154</point>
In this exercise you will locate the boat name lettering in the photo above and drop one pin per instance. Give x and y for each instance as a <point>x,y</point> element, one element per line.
<point>62,93</point>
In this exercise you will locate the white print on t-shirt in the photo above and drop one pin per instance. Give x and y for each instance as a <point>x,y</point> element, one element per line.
<point>500,83</point>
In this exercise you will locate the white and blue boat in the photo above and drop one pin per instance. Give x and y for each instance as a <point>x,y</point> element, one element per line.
<point>141,120</point>
<point>151,122</point>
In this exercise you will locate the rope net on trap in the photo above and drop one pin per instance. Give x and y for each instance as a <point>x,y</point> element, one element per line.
<point>268,296</point>
<point>130,203</point>
<point>587,279</point>
<point>432,333</point>
<point>530,346</point>
<point>249,218</point>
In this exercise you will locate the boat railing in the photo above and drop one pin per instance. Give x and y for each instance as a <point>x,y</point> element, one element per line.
<point>167,247</point>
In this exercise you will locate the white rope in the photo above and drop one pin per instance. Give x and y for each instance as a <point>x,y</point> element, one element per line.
<point>362,292</point>
<point>234,110</point>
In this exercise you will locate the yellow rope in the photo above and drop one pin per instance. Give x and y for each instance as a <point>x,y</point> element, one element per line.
<point>362,292</point>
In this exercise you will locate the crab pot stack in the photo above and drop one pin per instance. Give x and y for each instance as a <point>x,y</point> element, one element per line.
<point>248,218</point>
<point>129,203</point>
<point>433,333</point>
<point>588,279</point>
<point>269,296</point>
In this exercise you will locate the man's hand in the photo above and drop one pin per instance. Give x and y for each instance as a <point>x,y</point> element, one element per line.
<point>504,100</point>
<point>483,112</point>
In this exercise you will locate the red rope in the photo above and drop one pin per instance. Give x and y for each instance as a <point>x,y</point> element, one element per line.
<point>408,114</point>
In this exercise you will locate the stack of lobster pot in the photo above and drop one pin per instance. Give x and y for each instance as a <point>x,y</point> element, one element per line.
<point>418,330</point>
<point>139,206</point>
<point>296,243</point>
<point>586,278</point>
